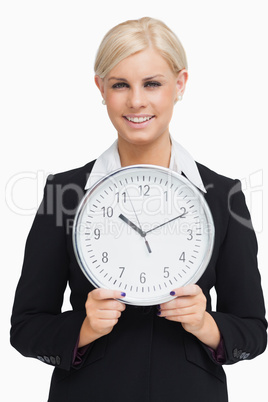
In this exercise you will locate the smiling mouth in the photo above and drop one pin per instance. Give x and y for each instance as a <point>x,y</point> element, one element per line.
<point>138,119</point>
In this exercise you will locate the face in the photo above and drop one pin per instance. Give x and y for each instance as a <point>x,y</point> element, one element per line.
<point>140,93</point>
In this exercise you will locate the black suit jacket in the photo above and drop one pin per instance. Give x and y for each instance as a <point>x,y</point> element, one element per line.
<point>145,358</point>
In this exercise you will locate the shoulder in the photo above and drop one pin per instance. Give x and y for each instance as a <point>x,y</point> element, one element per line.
<point>76,177</point>
<point>226,201</point>
<point>221,190</point>
<point>212,179</point>
<point>219,187</point>
<point>64,191</point>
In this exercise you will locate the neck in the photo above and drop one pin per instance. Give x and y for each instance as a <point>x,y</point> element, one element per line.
<point>156,153</point>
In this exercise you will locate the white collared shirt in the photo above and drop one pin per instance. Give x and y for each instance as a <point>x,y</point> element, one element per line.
<point>181,162</point>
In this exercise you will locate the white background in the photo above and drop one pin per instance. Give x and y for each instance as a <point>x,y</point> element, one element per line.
<point>52,120</point>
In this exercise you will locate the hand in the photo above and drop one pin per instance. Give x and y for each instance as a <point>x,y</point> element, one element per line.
<point>139,230</point>
<point>132,225</point>
<point>103,312</point>
<point>162,224</point>
<point>189,308</point>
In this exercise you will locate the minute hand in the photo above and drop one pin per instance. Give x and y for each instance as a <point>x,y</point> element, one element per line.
<point>162,224</point>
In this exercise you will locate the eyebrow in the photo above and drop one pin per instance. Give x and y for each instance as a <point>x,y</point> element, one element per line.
<point>144,79</point>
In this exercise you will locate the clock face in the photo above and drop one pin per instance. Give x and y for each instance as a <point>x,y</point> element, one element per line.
<point>144,230</point>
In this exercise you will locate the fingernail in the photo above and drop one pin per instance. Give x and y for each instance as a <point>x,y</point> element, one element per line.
<point>158,312</point>
<point>172,293</point>
<point>123,294</point>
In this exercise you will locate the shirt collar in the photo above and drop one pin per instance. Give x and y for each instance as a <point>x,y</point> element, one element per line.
<point>180,161</point>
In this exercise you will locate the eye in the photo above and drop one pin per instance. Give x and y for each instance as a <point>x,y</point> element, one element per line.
<point>119,85</point>
<point>152,84</point>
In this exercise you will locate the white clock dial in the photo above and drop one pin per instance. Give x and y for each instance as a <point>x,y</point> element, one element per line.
<point>144,230</point>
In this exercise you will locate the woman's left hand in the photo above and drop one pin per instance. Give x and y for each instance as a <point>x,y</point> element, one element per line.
<point>188,308</point>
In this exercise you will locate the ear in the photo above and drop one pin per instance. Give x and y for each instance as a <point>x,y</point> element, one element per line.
<point>182,78</point>
<point>100,84</point>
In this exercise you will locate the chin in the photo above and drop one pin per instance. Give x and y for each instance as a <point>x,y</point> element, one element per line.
<point>139,139</point>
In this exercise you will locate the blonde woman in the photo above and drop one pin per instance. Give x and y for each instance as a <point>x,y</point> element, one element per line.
<point>104,350</point>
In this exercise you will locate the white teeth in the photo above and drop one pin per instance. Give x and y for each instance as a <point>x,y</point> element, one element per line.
<point>138,119</point>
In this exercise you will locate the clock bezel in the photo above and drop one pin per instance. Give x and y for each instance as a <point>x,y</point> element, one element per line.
<point>85,266</point>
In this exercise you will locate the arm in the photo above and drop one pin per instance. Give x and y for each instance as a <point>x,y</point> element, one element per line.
<point>240,316</point>
<point>39,329</point>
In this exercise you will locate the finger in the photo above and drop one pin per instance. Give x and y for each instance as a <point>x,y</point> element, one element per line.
<point>108,314</point>
<point>176,318</point>
<point>103,294</point>
<point>179,302</point>
<point>184,319</point>
<point>179,312</point>
<point>111,304</point>
<point>188,290</point>
<point>189,320</point>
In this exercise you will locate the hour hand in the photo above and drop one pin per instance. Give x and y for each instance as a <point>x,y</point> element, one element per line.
<point>132,225</point>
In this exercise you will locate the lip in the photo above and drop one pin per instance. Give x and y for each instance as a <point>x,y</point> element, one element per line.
<point>138,125</point>
<point>138,115</point>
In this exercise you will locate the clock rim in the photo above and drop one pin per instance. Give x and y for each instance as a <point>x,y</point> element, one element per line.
<point>197,275</point>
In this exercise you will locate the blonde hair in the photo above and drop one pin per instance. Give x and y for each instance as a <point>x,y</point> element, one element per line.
<point>133,36</point>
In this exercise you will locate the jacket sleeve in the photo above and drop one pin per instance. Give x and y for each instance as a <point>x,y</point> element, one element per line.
<point>240,312</point>
<point>39,328</point>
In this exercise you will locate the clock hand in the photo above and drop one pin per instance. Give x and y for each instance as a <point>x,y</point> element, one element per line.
<point>162,224</point>
<point>142,233</point>
<point>132,225</point>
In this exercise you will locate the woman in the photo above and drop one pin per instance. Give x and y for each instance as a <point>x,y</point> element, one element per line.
<point>102,349</point>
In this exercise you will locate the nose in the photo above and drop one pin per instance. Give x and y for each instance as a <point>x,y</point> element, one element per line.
<point>137,98</point>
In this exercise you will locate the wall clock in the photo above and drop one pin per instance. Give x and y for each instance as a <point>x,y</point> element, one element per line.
<point>144,230</point>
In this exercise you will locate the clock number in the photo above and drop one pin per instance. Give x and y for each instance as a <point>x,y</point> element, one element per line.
<point>107,212</point>
<point>182,257</point>
<point>166,195</point>
<point>183,210</point>
<point>142,277</point>
<point>97,234</point>
<point>104,257</point>
<point>190,237</point>
<point>144,190</point>
<point>124,196</point>
<point>166,272</point>
<point>123,269</point>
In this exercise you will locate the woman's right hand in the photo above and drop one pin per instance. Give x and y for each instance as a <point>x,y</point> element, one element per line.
<point>103,312</point>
